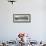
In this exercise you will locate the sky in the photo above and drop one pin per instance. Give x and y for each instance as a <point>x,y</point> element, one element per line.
<point>37,28</point>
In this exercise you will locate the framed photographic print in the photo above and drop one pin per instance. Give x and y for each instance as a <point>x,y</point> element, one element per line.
<point>21,18</point>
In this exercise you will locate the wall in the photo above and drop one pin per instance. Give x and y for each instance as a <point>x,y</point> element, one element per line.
<point>37,27</point>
